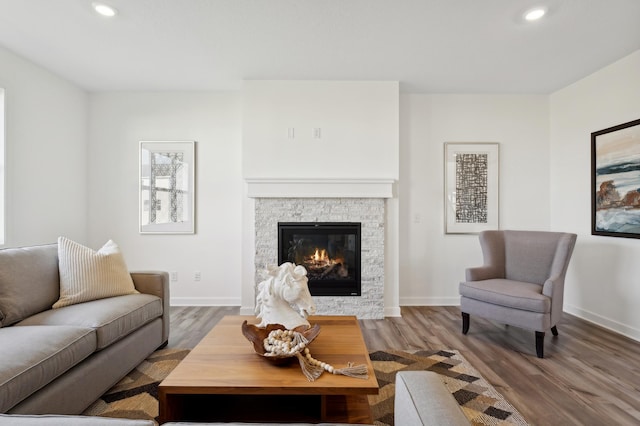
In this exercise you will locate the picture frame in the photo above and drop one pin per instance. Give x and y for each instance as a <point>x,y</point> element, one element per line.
<point>471,172</point>
<point>167,187</point>
<point>615,181</point>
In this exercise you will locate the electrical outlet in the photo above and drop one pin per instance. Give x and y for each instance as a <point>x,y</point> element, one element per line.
<point>196,276</point>
<point>174,276</point>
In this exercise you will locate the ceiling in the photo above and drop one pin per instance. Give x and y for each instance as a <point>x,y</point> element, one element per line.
<point>429,46</point>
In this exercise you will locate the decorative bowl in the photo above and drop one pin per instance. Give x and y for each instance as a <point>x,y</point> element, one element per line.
<point>256,336</point>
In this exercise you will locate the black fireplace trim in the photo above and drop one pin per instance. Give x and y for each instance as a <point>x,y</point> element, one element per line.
<point>327,287</point>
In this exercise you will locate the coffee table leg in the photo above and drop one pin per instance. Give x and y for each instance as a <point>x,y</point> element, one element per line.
<point>323,408</point>
<point>162,406</point>
<point>169,407</point>
<point>345,409</point>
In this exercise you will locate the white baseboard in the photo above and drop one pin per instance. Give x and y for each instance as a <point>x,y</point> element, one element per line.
<point>608,323</point>
<point>205,301</point>
<point>393,311</point>
<point>247,310</point>
<point>244,310</point>
<point>430,301</point>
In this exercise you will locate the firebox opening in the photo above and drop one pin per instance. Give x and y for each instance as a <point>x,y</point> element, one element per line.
<point>329,251</point>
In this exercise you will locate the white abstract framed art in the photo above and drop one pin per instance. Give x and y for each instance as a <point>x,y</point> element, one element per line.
<point>167,187</point>
<point>471,187</point>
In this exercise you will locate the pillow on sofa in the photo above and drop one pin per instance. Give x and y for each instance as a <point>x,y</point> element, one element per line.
<point>86,274</point>
<point>29,281</point>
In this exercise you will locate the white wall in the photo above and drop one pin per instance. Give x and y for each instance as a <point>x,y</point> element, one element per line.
<point>2,175</point>
<point>46,137</point>
<point>603,282</point>
<point>118,121</point>
<point>432,263</point>
<point>358,122</point>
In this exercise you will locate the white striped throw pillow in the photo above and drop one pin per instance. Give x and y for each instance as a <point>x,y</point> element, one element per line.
<point>86,274</point>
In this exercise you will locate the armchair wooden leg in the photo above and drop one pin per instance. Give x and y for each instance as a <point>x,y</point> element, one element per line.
<point>540,344</point>
<point>465,323</point>
<point>554,330</point>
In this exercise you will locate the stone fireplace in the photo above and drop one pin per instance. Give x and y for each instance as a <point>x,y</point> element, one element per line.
<point>369,213</point>
<point>324,151</point>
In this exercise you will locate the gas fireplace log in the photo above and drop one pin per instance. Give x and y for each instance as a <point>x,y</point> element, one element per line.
<point>328,270</point>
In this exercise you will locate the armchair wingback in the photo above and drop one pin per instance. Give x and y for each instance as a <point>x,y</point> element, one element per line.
<point>521,282</point>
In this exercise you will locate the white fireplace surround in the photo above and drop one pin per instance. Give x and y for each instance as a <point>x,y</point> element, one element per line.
<point>319,188</point>
<point>328,200</point>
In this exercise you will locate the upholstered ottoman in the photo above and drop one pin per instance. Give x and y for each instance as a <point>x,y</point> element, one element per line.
<point>422,399</point>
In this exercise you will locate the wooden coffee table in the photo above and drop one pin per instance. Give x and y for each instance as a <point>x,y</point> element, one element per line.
<point>223,379</point>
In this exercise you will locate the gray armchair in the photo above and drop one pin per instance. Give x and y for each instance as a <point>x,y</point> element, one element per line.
<point>521,282</point>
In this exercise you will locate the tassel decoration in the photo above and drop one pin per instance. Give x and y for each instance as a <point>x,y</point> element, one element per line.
<point>311,371</point>
<point>357,371</point>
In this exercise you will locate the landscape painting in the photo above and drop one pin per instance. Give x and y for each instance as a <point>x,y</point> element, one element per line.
<point>615,178</point>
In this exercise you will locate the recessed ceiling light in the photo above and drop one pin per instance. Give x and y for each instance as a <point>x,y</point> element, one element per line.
<point>104,9</point>
<point>535,14</point>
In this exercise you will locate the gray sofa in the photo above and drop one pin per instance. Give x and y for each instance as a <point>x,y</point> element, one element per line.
<point>420,399</point>
<point>59,361</point>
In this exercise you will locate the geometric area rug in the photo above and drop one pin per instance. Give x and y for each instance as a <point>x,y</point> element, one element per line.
<point>136,395</point>
<point>480,402</point>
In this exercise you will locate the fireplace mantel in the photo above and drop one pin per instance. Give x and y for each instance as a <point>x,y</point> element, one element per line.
<point>319,188</point>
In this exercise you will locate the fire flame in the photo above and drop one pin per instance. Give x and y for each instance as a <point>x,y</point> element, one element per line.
<point>321,255</point>
<point>321,263</point>
<point>320,258</point>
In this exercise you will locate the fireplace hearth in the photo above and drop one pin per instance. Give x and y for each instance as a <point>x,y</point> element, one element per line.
<point>330,251</point>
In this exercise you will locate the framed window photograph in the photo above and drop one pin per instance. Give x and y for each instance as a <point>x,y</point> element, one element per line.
<point>167,187</point>
<point>615,181</point>
<point>471,187</point>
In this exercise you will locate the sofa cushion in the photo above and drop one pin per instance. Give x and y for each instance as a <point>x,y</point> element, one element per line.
<point>54,420</point>
<point>34,356</point>
<point>29,281</point>
<point>508,293</point>
<point>86,274</point>
<point>529,255</point>
<point>112,318</point>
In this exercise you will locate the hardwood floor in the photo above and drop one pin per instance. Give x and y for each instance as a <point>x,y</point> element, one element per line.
<point>589,376</point>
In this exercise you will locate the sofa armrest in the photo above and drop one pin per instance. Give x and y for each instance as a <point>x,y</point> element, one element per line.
<point>157,284</point>
<point>422,399</point>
